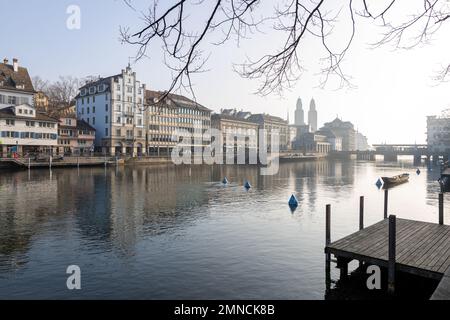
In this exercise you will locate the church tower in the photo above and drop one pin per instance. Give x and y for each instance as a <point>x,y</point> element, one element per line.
<point>312,116</point>
<point>299,114</point>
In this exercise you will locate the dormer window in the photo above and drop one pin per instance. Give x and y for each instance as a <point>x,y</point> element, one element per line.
<point>101,87</point>
<point>91,90</point>
<point>83,92</point>
<point>20,111</point>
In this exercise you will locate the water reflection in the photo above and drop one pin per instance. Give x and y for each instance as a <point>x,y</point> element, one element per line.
<point>178,232</point>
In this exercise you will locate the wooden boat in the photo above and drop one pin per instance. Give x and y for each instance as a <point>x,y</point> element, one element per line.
<point>389,181</point>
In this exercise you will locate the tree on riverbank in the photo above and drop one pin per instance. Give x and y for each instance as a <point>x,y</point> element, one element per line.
<point>184,39</point>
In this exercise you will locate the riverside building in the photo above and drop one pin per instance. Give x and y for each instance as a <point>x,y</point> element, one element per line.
<point>114,107</point>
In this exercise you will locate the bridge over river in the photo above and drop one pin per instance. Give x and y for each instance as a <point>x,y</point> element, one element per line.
<point>390,152</point>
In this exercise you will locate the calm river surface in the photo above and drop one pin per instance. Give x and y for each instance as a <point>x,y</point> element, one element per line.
<point>164,232</point>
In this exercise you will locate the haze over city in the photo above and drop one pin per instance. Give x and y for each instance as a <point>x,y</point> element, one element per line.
<point>394,88</point>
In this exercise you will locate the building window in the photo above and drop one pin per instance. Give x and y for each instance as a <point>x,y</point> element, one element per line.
<point>106,132</point>
<point>93,109</point>
<point>93,120</point>
<point>118,132</point>
<point>10,122</point>
<point>106,107</point>
<point>106,119</point>
<point>87,110</point>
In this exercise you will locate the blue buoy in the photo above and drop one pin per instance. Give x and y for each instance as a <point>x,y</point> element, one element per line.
<point>379,183</point>
<point>418,171</point>
<point>225,180</point>
<point>247,185</point>
<point>293,202</point>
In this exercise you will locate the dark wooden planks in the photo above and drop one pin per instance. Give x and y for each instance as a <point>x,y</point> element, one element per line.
<point>422,247</point>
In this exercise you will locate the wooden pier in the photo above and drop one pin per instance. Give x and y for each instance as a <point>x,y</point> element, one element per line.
<point>399,245</point>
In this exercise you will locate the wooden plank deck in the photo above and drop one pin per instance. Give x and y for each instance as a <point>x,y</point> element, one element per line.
<point>422,248</point>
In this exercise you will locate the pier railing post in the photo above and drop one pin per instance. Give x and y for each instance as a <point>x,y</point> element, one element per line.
<point>386,198</point>
<point>391,254</point>
<point>361,212</point>
<point>441,208</point>
<point>327,243</point>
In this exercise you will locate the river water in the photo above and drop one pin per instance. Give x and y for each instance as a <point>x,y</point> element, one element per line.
<point>166,232</point>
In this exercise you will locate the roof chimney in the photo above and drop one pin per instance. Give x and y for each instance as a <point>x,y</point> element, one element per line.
<point>5,61</point>
<point>15,65</point>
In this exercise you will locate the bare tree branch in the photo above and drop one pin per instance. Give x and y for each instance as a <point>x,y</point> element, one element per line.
<point>298,21</point>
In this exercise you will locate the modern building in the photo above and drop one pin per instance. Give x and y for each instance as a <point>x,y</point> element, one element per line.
<point>343,129</point>
<point>312,116</point>
<point>242,129</point>
<point>175,112</point>
<point>270,124</point>
<point>438,133</point>
<point>299,114</point>
<point>75,137</point>
<point>24,131</point>
<point>115,106</point>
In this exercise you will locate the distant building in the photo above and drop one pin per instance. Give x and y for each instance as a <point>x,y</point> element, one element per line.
<point>343,129</point>
<point>164,117</point>
<point>115,106</point>
<point>438,133</point>
<point>361,142</point>
<point>312,116</point>
<point>335,141</point>
<point>292,136</point>
<point>41,101</point>
<point>230,123</point>
<point>313,143</point>
<point>299,114</point>
<point>75,137</point>
<point>271,123</point>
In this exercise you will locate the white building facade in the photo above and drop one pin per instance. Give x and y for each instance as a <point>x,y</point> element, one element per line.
<point>115,106</point>
<point>23,130</point>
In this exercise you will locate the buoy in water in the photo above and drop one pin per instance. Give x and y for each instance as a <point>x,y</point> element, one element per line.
<point>247,185</point>
<point>293,202</point>
<point>379,183</point>
<point>225,180</point>
<point>418,171</point>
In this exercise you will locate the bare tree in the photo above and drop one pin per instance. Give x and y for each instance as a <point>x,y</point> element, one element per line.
<point>183,45</point>
<point>63,91</point>
<point>39,84</point>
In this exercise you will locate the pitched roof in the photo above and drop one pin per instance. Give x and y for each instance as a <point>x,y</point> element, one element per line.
<point>177,99</point>
<point>15,81</point>
<point>8,113</point>
<point>225,116</point>
<point>260,117</point>
<point>83,125</point>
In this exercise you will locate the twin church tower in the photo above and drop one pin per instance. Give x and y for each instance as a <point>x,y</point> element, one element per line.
<point>312,115</point>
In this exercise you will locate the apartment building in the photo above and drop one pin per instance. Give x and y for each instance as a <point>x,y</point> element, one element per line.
<point>115,106</point>
<point>164,116</point>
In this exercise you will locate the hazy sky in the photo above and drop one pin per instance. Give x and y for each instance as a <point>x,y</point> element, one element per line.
<point>395,91</point>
